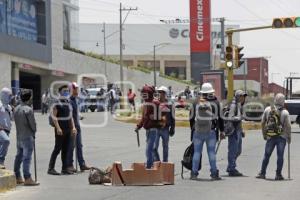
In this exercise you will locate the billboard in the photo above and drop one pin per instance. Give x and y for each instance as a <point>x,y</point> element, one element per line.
<point>200,36</point>
<point>200,26</point>
<point>18,18</point>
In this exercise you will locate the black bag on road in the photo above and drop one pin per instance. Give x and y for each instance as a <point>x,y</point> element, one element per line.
<point>187,161</point>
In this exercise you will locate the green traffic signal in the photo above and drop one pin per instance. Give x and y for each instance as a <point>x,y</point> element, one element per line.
<point>297,22</point>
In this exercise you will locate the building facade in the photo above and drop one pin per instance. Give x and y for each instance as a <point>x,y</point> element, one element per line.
<point>171,40</point>
<point>33,35</point>
<point>253,75</point>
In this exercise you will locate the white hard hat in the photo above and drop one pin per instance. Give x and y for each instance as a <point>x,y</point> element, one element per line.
<point>163,88</point>
<point>207,88</point>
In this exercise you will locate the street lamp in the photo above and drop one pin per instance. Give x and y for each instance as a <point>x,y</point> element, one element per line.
<point>154,58</point>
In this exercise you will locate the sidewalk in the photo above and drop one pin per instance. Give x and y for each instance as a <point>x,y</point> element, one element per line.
<point>7,180</point>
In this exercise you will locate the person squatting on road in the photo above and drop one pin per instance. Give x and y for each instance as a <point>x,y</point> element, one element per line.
<point>276,129</point>
<point>149,121</point>
<point>5,123</point>
<point>76,141</point>
<point>235,139</point>
<point>205,122</point>
<point>26,130</point>
<point>64,130</point>
<point>167,129</point>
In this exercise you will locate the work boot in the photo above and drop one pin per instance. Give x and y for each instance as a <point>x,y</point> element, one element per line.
<point>193,177</point>
<point>66,172</point>
<point>261,176</point>
<point>53,172</point>
<point>235,173</point>
<point>279,177</point>
<point>2,166</point>
<point>215,176</point>
<point>84,168</point>
<point>30,182</point>
<point>72,169</point>
<point>19,181</point>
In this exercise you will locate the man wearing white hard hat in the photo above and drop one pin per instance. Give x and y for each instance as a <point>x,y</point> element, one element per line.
<point>167,125</point>
<point>209,135</point>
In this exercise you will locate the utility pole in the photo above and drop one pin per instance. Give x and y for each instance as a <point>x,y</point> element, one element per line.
<point>222,21</point>
<point>154,64</point>
<point>121,41</point>
<point>104,44</point>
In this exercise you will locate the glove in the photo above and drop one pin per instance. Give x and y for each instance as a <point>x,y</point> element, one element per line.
<point>243,134</point>
<point>136,130</point>
<point>171,132</point>
<point>265,137</point>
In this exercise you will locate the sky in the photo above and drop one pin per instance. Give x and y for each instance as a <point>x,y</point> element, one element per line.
<point>281,47</point>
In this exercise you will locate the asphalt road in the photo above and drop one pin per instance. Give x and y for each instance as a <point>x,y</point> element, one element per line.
<point>117,142</point>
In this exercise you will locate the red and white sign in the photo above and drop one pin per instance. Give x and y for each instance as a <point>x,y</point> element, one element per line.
<point>58,73</point>
<point>200,26</point>
<point>26,66</point>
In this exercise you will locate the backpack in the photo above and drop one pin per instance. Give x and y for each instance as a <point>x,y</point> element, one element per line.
<point>203,120</point>
<point>187,160</point>
<point>98,176</point>
<point>229,125</point>
<point>273,126</point>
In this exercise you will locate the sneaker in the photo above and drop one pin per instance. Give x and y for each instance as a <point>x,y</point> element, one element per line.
<point>235,173</point>
<point>2,166</point>
<point>193,177</point>
<point>53,172</point>
<point>66,172</point>
<point>215,177</point>
<point>84,168</point>
<point>261,176</point>
<point>279,177</point>
<point>30,182</point>
<point>19,181</point>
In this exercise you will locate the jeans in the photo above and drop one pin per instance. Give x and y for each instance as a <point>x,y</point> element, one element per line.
<point>280,144</point>
<point>61,145</point>
<point>234,150</point>
<point>210,140</point>
<point>79,151</point>
<point>4,143</point>
<point>164,135</point>
<point>24,154</point>
<point>151,136</point>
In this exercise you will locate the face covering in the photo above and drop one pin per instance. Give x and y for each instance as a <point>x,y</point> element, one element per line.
<point>65,94</point>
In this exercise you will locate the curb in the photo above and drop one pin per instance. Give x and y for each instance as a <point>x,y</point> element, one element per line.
<point>7,180</point>
<point>181,123</point>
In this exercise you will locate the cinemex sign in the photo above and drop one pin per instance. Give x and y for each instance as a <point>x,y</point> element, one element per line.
<point>185,33</point>
<point>200,32</point>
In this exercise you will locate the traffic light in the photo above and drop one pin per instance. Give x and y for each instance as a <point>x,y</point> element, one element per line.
<point>229,56</point>
<point>238,56</point>
<point>288,22</point>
